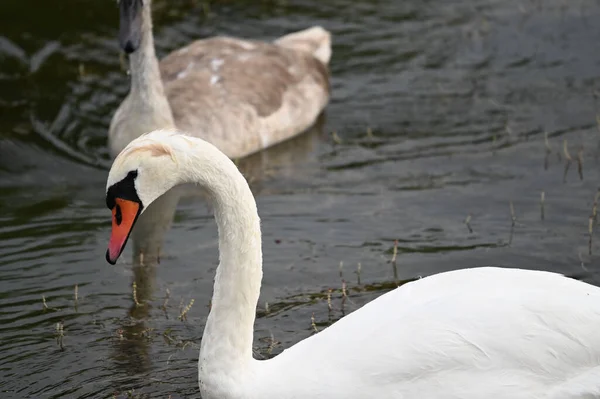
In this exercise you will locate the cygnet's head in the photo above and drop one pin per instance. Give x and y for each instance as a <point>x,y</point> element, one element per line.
<point>130,23</point>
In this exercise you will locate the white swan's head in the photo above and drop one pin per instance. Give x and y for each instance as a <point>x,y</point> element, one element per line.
<point>146,169</point>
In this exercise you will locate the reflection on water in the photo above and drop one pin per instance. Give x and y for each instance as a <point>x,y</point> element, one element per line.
<point>440,113</point>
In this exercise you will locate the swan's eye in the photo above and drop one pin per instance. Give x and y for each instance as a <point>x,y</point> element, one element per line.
<point>132,175</point>
<point>118,215</point>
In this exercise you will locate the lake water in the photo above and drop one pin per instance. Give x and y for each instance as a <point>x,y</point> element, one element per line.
<point>440,110</point>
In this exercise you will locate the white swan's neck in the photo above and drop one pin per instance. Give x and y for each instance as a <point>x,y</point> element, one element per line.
<point>146,82</point>
<point>226,348</point>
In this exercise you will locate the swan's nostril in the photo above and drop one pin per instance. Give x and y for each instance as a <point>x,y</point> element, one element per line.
<point>118,215</point>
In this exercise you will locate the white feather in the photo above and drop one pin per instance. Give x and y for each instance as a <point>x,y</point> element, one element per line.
<point>470,334</point>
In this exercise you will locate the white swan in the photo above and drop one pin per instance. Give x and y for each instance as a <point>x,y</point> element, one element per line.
<point>473,333</point>
<point>240,95</point>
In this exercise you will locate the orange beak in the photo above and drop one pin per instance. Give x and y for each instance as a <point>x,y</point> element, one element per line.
<point>125,214</point>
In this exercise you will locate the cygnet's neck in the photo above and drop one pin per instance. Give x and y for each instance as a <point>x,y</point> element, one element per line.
<point>146,82</point>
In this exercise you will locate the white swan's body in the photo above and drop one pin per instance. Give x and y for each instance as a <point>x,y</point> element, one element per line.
<point>472,333</point>
<point>240,95</point>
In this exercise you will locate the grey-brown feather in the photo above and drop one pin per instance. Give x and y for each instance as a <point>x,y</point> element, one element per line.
<point>245,92</point>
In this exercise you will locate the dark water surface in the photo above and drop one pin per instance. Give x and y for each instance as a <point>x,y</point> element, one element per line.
<point>440,110</point>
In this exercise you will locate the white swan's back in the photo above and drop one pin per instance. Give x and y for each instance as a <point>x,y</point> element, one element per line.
<point>472,333</point>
